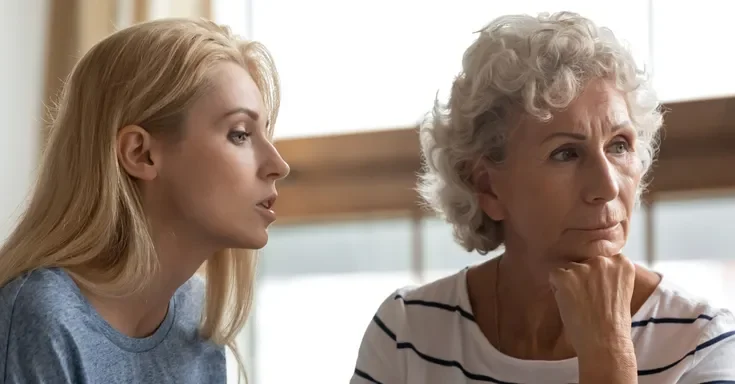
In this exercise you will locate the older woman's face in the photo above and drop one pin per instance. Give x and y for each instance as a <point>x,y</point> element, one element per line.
<point>568,187</point>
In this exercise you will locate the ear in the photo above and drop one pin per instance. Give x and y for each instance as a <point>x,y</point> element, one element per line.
<point>485,178</point>
<point>134,152</point>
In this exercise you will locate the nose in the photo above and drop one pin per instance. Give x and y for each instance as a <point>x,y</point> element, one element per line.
<point>275,168</point>
<point>602,180</point>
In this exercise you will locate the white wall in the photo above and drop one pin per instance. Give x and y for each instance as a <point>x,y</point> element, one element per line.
<point>22,78</point>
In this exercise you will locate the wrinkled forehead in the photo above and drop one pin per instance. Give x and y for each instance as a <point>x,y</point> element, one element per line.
<point>599,109</point>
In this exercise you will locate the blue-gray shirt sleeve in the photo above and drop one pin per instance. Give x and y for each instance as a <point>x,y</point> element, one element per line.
<point>34,347</point>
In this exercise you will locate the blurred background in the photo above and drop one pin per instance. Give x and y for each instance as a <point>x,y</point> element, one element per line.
<point>357,77</point>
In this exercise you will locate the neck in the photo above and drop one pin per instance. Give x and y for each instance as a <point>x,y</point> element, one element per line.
<point>140,314</point>
<point>521,317</point>
<point>528,317</point>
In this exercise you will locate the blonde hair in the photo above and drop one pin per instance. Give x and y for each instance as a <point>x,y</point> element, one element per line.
<point>535,65</point>
<point>85,211</point>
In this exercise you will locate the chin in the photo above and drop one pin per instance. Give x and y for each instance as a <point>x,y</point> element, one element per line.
<point>251,240</point>
<point>609,248</point>
<point>603,248</point>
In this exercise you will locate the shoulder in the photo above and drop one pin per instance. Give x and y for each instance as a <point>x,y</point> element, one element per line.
<point>679,331</point>
<point>40,312</point>
<point>419,309</point>
<point>408,315</point>
<point>40,298</point>
<point>673,305</point>
<point>713,354</point>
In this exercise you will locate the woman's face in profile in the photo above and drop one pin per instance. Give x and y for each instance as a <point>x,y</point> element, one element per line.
<point>568,187</point>
<point>219,180</point>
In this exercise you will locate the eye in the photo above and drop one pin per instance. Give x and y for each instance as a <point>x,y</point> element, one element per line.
<point>564,154</point>
<point>620,147</point>
<point>239,137</point>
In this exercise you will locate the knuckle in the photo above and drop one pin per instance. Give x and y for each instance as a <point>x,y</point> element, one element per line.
<point>629,264</point>
<point>597,262</point>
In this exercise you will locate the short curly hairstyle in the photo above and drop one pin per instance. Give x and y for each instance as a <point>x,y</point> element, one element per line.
<point>535,65</point>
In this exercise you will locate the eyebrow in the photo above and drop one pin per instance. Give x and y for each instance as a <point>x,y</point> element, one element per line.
<point>245,111</point>
<point>579,136</point>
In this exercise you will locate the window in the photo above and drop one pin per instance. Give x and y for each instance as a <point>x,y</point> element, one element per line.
<point>694,247</point>
<point>320,286</point>
<point>349,66</point>
<point>442,255</point>
<point>689,58</point>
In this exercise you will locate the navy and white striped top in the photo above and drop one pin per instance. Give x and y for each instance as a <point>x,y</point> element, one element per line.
<point>428,335</point>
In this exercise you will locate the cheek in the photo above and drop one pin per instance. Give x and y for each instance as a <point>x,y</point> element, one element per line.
<point>537,201</point>
<point>630,173</point>
<point>207,177</point>
<point>224,175</point>
<point>213,194</point>
<point>188,182</point>
<point>539,186</point>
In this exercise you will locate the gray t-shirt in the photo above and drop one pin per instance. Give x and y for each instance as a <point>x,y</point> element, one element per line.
<point>50,334</point>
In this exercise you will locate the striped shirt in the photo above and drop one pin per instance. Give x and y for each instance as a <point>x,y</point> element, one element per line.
<point>428,335</point>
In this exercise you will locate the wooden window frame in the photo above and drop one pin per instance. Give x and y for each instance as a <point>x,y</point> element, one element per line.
<point>374,173</point>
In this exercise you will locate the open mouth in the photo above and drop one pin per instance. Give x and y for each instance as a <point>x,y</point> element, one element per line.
<point>268,203</point>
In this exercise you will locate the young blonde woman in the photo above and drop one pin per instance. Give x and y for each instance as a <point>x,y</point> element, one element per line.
<point>159,158</point>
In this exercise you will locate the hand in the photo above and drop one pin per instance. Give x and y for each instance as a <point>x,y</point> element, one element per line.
<point>594,303</point>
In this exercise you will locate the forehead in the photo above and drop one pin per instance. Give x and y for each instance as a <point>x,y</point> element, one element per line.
<point>231,87</point>
<point>599,101</point>
<point>599,107</point>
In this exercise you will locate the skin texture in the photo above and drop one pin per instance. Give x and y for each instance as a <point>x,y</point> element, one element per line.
<point>565,194</point>
<point>594,299</point>
<point>591,180</point>
<point>200,190</point>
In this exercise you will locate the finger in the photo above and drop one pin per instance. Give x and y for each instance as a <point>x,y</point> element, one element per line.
<point>577,266</point>
<point>628,265</point>
<point>621,260</point>
<point>599,260</point>
<point>557,277</point>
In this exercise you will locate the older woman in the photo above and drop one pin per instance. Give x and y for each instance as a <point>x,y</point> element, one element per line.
<point>542,149</point>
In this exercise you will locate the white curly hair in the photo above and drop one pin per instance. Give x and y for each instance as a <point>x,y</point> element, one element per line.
<point>539,64</point>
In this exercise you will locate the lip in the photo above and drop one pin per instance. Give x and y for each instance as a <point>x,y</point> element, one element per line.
<point>603,231</point>
<point>268,214</point>
<point>603,227</point>
<point>265,208</point>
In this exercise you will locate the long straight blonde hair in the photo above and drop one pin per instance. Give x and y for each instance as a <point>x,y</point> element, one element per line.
<point>85,211</point>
